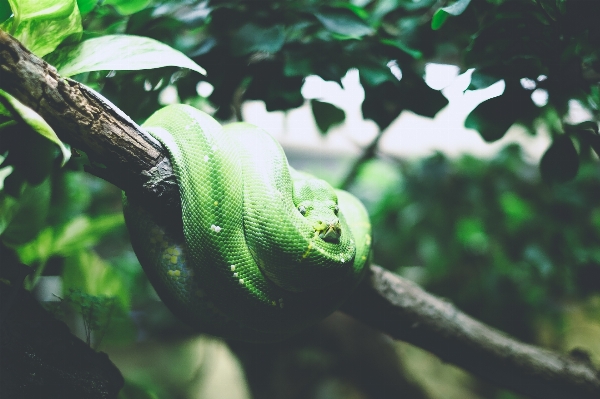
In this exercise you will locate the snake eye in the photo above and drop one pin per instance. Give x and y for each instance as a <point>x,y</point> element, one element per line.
<point>302,209</point>
<point>336,209</point>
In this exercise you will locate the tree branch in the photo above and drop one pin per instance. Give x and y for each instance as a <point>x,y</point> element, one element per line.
<point>395,306</point>
<point>408,313</point>
<point>133,160</point>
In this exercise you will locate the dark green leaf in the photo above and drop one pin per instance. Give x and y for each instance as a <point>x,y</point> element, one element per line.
<point>30,154</point>
<point>85,6</point>
<point>251,38</point>
<point>384,103</point>
<point>560,162</point>
<point>9,207</point>
<point>128,7</point>
<point>515,42</point>
<point>374,75</point>
<point>550,7</point>
<point>438,19</point>
<point>5,10</point>
<point>269,84</point>
<point>416,54</point>
<point>481,80</point>
<point>587,132</point>
<point>28,116</point>
<point>420,98</point>
<point>493,117</point>
<point>326,115</point>
<point>343,21</point>
<point>31,215</point>
<point>590,126</point>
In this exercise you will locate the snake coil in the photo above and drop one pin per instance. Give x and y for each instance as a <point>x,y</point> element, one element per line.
<point>265,251</point>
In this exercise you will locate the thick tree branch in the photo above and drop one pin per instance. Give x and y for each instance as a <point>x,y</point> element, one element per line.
<point>83,118</point>
<point>384,301</point>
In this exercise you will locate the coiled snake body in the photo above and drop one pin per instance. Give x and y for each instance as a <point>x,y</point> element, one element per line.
<point>265,250</point>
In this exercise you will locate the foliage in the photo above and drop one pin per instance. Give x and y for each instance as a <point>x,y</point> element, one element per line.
<point>506,246</point>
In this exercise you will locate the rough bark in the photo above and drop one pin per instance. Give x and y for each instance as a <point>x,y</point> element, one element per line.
<point>132,159</point>
<point>384,301</point>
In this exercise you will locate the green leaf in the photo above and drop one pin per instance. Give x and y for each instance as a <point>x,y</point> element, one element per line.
<point>251,38</point>
<point>279,92</point>
<point>118,52</point>
<point>438,19</point>
<point>589,126</point>
<point>41,9</point>
<point>80,233</point>
<point>86,271</point>
<point>587,132</point>
<point>9,207</point>
<point>441,15</point>
<point>471,233</point>
<point>128,7</point>
<point>493,117</point>
<point>560,163</point>
<point>326,115</point>
<point>35,121</point>
<point>38,250</point>
<point>481,80</point>
<point>516,210</point>
<point>42,25</point>
<point>416,54</point>
<point>83,232</point>
<point>384,102</point>
<point>85,6</point>
<point>4,111</point>
<point>343,21</point>
<point>30,215</point>
<point>5,10</point>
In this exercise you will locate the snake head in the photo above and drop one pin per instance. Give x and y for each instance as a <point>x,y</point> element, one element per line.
<point>318,203</point>
<point>323,215</point>
<point>329,231</point>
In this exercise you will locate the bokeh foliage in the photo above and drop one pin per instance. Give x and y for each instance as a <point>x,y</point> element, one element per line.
<point>511,243</point>
<point>505,246</point>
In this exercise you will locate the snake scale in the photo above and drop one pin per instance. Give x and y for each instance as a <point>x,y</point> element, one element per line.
<point>264,250</point>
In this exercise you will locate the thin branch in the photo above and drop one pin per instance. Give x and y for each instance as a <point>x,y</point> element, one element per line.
<point>384,301</point>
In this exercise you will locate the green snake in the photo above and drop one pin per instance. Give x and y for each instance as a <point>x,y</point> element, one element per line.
<point>264,250</point>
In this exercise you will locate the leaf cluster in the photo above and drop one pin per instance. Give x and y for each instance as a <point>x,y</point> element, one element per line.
<point>544,49</point>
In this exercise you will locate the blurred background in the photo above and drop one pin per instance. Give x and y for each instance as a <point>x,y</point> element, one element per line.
<point>467,130</point>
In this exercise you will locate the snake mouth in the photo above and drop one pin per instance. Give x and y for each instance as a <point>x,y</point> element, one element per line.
<point>329,232</point>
